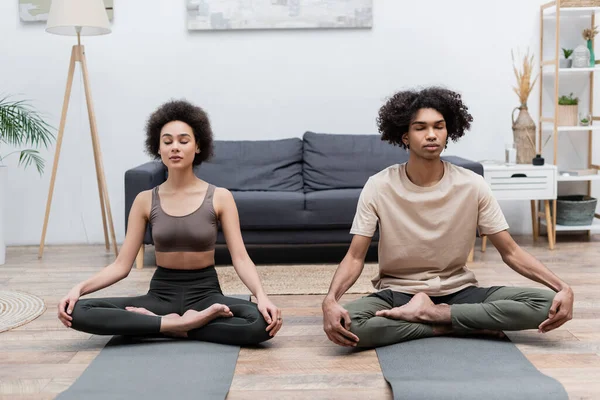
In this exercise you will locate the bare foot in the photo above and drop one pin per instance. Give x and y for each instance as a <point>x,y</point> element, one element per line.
<point>141,310</point>
<point>412,311</point>
<point>193,319</point>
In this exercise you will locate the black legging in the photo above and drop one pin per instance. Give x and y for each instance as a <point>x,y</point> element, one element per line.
<point>174,291</point>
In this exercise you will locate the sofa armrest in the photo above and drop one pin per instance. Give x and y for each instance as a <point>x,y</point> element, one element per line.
<point>474,166</point>
<point>138,179</point>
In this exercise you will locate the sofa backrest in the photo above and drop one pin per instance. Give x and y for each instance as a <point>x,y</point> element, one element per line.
<point>270,165</point>
<point>333,161</point>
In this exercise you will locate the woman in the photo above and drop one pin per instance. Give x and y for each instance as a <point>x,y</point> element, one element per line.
<point>185,297</point>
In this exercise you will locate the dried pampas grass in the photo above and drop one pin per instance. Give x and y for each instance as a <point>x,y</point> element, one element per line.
<point>524,82</point>
<point>588,34</point>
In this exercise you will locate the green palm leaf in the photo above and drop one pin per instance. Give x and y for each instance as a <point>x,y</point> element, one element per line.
<point>29,157</point>
<point>21,125</point>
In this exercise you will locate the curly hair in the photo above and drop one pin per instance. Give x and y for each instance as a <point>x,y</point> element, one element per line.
<point>180,110</point>
<point>399,111</point>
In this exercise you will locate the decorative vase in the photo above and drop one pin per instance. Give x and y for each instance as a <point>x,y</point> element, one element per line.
<point>590,47</point>
<point>567,115</point>
<point>524,135</point>
<point>581,57</point>
<point>3,174</point>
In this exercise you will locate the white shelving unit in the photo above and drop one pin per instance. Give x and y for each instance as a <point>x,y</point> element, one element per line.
<point>549,69</point>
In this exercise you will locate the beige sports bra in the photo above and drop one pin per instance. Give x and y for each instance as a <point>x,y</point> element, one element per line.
<point>193,232</point>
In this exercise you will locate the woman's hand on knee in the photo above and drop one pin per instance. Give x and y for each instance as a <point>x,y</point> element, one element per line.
<point>271,314</point>
<point>66,305</point>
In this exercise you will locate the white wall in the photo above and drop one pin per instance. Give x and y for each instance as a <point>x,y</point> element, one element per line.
<point>255,85</point>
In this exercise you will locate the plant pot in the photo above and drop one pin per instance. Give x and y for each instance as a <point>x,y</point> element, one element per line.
<point>567,115</point>
<point>565,63</point>
<point>3,176</point>
<point>575,210</point>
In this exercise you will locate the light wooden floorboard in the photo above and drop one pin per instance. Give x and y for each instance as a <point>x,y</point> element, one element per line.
<point>42,358</point>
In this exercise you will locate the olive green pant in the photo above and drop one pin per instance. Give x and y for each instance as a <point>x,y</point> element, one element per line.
<point>473,308</point>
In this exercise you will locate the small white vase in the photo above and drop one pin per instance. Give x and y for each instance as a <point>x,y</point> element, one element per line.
<point>3,176</point>
<point>581,57</point>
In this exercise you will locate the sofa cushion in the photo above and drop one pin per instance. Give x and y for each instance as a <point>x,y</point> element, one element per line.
<point>334,161</point>
<point>273,165</point>
<point>270,210</point>
<point>331,208</point>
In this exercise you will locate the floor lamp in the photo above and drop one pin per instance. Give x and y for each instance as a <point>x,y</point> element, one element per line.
<point>80,18</point>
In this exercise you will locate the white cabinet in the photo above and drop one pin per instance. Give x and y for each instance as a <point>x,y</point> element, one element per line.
<point>525,182</point>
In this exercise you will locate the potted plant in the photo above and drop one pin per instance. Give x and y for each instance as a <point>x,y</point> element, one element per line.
<point>20,126</point>
<point>567,110</point>
<point>566,62</point>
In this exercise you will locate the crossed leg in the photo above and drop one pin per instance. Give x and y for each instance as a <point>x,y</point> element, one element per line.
<point>380,322</point>
<point>140,315</point>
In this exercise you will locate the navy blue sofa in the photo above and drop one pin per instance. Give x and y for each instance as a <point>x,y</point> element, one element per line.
<point>290,191</point>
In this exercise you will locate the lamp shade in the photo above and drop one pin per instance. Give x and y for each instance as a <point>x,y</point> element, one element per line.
<point>67,15</point>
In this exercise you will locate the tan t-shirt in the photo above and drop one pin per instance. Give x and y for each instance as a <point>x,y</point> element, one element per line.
<point>426,233</point>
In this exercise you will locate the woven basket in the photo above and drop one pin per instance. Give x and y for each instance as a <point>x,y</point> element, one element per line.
<point>575,210</point>
<point>580,3</point>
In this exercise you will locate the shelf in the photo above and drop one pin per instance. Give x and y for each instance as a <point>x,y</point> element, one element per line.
<point>549,70</point>
<point>579,128</point>
<point>594,227</point>
<point>549,126</point>
<point>577,178</point>
<point>570,12</point>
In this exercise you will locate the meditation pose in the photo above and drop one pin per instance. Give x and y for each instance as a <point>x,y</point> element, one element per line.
<point>428,212</point>
<point>184,298</point>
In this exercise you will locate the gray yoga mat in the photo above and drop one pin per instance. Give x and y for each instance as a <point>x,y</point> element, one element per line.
<point>157,369</point>
<point>451,368</point>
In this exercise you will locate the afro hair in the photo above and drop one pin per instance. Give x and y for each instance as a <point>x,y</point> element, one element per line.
<point>396,115</point>
<point>180,110</point>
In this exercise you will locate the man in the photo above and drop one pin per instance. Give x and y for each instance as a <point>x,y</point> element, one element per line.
<point>428,211</point>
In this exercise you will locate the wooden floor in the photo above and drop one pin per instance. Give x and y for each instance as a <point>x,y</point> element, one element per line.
<point>42,358</point>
